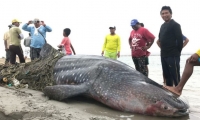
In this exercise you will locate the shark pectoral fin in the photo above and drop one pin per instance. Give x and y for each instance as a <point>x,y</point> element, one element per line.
<point>60,92</point>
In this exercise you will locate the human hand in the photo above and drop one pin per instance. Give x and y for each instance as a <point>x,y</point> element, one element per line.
<point>42,23</point>
<point>118,54</point>
<point>193,58</point>
<point>19,37</point>
<point>145,48</point>
<point>30,22</point>
<point>60,46</point>
<point>102,53</point>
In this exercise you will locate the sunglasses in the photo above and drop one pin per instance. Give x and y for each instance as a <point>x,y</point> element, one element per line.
<point>36,22</point>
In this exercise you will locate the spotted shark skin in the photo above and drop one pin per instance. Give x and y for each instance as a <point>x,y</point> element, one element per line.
<point>114,84</point>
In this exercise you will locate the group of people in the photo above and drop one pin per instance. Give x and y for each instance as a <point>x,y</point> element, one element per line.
<point>33,43</point>
<point>171,41</point>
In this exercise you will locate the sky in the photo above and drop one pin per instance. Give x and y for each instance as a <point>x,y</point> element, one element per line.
<point>89,20</point>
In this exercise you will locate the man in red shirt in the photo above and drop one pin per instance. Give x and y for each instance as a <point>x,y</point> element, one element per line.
<point>140,40</point>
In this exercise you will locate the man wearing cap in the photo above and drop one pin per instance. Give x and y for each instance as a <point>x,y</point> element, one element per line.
<point>15,42</point>
<point>140,40</point>
<point>38,35</point>
<point>171,44</point>
<point>112,45</point>
<point>6,39</point>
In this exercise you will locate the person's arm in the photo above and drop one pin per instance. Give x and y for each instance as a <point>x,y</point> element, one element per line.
<point>24,41</point>
<point>47,28</point>
<point>178,35</point>
<point>185,42</point>
<point>63,43</point>
<point>194,57</point>
<point>27,28</point>
<point>130,41</point>
<point>5,43</point>
<point>150,39</point>
<point>119,47</point>
<point>158,43</point>
<point>5,38</point>
<point>149,44</point>
<point>72,49</point>
<point>104,46</point>
<point>21,36</point>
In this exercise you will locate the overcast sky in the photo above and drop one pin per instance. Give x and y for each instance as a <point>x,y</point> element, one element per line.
<point>89,20</point>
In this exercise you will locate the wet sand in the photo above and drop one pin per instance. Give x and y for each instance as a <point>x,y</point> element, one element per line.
<point>26,104</point>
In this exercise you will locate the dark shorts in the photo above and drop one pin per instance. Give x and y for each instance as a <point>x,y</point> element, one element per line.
<point>34,53</point>
<point>171,70</point>
<point>140,64</point>
<point>146,61</point>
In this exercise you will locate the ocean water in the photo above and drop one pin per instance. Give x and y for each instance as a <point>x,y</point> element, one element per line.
<point>191,91</point>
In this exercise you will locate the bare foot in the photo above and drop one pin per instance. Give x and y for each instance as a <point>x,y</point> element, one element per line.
<point>173,90</point>
<point>164,83</point>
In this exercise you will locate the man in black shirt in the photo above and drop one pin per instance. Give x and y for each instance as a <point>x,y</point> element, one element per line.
<point>171,43</point>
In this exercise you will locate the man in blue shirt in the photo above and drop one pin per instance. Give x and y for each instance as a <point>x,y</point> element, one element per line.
<point>38,35</point>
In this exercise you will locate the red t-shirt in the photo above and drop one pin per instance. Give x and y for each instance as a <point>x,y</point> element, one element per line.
<point>66,42</point>
<point>138,39</point>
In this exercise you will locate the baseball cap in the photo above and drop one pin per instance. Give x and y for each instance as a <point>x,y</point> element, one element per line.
<point>134,22</point>
<point>36,20</point>
<point>15,20</point>
<point>112,27</point>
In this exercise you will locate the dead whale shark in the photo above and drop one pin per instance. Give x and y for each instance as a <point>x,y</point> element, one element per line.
<point>114,84</point>
<point>108,81</point>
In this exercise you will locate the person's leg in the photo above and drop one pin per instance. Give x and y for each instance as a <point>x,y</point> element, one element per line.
<point>142,66</point>
<point>107,54</point>
<point>12,54</point>
<point>20,54</point>
<point>33,53</point>
<point>135,61</point>
<point>38,52</point>
<point>7,57</point>
<point>166,72</point>
<point>164,80</point>
<point>188,70</point>
<point>113,55</point>
<point>26,52</point>
<point>147,63</point>
<point>174,68</point>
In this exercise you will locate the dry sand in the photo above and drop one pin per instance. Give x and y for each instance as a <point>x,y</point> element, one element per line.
<point>26,104</point>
